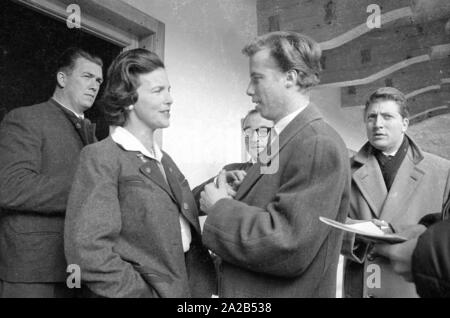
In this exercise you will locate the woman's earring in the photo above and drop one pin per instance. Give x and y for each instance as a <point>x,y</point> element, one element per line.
<point>130,108</point>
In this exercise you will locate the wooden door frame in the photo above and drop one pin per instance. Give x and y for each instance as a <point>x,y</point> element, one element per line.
<point>112,20</point>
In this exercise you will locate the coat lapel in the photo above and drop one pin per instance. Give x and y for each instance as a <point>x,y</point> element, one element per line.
<point>253,174</point>
<point>369,181</point>
<point>84,128</point>
<point>308,115</point>
<point>407,180</point>
<point>178,193</point>
<point>151,170</point>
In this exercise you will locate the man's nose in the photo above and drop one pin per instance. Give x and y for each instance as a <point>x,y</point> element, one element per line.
<point>379,122</point>
<point>95,85</point>
<point>250,90</point>
<point>254,136</point>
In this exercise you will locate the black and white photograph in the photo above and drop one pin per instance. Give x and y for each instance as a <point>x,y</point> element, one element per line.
<point>225,153</point>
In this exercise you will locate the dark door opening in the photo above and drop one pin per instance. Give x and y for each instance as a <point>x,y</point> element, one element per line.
<point>30,43</point>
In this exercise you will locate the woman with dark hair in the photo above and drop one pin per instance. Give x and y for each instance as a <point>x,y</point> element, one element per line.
<point>132,223</point>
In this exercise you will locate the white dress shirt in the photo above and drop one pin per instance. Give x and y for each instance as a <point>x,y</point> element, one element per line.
<point>283,122</point>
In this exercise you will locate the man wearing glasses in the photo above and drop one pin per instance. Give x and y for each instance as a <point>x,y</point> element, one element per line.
<point>257,134</point>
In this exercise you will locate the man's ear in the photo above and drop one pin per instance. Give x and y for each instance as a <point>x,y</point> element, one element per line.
<point>405,124</point>
<point>61,79</point>
<point>291,78</point>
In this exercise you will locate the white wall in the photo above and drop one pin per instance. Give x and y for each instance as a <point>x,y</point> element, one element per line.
<point>347,121</point>
<point>208,75</point>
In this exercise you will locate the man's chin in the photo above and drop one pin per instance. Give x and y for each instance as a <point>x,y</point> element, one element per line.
<point>379,145</point>
<point>86,106</point>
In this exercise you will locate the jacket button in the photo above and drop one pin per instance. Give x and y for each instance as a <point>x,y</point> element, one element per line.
<point>185,206</point>
<point>371,257</point>
<point>148,170</point>
<point>170,169</point>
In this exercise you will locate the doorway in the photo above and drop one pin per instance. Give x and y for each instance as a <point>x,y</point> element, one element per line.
<point>30,43</point>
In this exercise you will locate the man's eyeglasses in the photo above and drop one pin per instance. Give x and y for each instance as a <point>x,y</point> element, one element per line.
<point>260,132</point>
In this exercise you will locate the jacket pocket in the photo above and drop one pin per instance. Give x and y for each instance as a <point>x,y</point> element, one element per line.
<point>134,178</point>
<point>159,283</point>
<point>151,276</point>
<point>130,182</point>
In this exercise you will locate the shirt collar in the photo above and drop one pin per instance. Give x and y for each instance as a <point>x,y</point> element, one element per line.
<point>283,122</point>
<point>81,116</point>
<point>129,142</point>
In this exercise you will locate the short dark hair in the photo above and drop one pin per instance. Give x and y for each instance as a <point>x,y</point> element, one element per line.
<point>385,94</point>
<point>123,81</point>
<point>291,51</point>
<point>67,59</point>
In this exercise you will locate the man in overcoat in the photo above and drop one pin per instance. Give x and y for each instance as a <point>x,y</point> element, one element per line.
<point>393,180</point>
<point>269,237</point>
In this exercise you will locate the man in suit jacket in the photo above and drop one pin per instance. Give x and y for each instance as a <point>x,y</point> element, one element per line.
<point>39,149</point>
<point>394,181</point>
<point>269,236</point>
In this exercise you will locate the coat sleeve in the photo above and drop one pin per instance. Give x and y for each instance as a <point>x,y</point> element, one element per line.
<point>353,248</point>
<point>92,228</point>
<point>431,261</point>
<point>284,238</point>
<point>23,186</point>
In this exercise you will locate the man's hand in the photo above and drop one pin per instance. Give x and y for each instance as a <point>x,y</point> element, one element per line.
<point>400,256</point>
<point>413,231</point>
<point>234,178</point>
<point>213,193</point>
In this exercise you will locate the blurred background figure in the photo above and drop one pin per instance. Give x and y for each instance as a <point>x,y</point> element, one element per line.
<point>257,133</point>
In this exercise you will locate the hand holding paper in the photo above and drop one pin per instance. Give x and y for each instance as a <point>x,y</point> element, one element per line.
<point>366,230</point>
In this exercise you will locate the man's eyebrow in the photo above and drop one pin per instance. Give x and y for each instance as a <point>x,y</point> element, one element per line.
<point>381,113</point>
<point>92,75</point>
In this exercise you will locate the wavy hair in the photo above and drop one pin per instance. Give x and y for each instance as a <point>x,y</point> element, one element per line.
<point>291,51</point>
<point>123,81</point>
<point>386,94</point>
